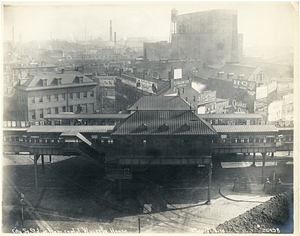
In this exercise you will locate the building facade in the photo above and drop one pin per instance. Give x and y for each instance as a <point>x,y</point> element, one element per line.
<point>53,93</point>
<point>211,36</point>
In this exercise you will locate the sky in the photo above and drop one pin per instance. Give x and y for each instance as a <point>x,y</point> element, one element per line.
<point>262,23</point>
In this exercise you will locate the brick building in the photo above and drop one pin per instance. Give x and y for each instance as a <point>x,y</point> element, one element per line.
<point>211,36</point>
<point>53,93</point>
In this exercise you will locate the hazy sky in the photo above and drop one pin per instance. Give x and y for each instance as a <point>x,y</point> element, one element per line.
<point>267,23</point>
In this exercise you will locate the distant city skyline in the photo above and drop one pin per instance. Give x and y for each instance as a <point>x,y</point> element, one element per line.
<point>261,23</point>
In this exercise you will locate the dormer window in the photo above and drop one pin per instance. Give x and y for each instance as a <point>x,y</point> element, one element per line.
<point>44,82</point>
<point>58,80</point>
<point>141,128</point>
<point>163,127</point>
<point>78,79</point>
<point>185,127</point>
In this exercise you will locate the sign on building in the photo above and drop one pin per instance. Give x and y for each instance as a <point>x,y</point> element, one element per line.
<point>177,73</point>
<point>261,92</point>
<point>272,87</point>
<point>207,96</point>
<point>128,82</point>
<point>275,111</point>
<point>244,84</point>
<point>145,85</point>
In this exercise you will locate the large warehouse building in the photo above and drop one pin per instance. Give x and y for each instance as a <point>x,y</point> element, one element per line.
<point>211,36</point>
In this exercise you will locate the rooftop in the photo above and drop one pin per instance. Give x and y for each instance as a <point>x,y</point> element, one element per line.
<point>161,103</point>
<point>86,116</point>
<point>164,123</point>
<point>68,79</point>
<point>68,128</point>
<point>245,128</point>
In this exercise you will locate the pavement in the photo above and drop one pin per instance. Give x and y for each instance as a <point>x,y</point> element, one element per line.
<point>193,218</point>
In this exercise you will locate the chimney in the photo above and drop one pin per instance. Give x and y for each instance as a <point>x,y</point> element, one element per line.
<point>134,71</point>
<point>62,71</point>
<point>229,75</point>
<point>220,73</point>
<point>115,39</point>
<point>110,32</point>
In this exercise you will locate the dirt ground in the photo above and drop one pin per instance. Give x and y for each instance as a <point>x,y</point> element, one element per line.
<point>74,196</point>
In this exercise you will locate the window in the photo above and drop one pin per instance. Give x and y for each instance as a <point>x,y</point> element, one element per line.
<point>55,97</point>
<point>48,98</point>
<point>63,96</point>
<point>41,113</point>
<point>33,115</point>
<point>71,95</point>
<point>49,111</point>
<point>92,93</point>
<point>85,94</point>
<point>78,95</point>
<point>71,108</point>
<point>64,108</point>
<point>56,110</point>
<point>41,99</point>
<point>32,99</point>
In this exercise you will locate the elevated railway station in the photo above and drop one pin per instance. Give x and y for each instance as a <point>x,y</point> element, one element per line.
<point>144,138</point>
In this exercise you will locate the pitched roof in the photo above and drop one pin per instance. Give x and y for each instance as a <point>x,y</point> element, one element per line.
<point>67,80</point>
<point>161,103</point>
<point>237,69</point>
<point>177,123</point>
<point>245,128</point>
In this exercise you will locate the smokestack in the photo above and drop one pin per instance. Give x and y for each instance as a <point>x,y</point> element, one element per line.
<point>110,33</point>
<point>50,35</point>
<point>13,34</point>
<point>115,34</point>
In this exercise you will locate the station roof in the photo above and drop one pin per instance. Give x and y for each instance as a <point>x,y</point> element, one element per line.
<point>231,116</point>
<point>164,123</point>
<point>245,128</point>
<point>70,128</point>
<point>86,116</point>
<point>161,103</point>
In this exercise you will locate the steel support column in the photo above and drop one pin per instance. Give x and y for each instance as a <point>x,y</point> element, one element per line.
<point>253,164</point>
<point>50,159</point>
<point>36,157</point>
<point>209,183</point>
<point>43,163</point>
<point>263,168</point>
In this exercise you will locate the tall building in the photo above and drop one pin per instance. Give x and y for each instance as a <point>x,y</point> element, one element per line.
<point>211,36</point>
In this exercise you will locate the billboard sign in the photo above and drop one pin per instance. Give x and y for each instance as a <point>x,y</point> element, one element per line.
<point>181,82</point>
<point>272,87</point>
<point>145,85</point>
<point>207,96</point>
<point>107,82</point>
<point>261,92</point>
<point>128,82</point>
<point>244,84</point>
<point>177,73</point>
